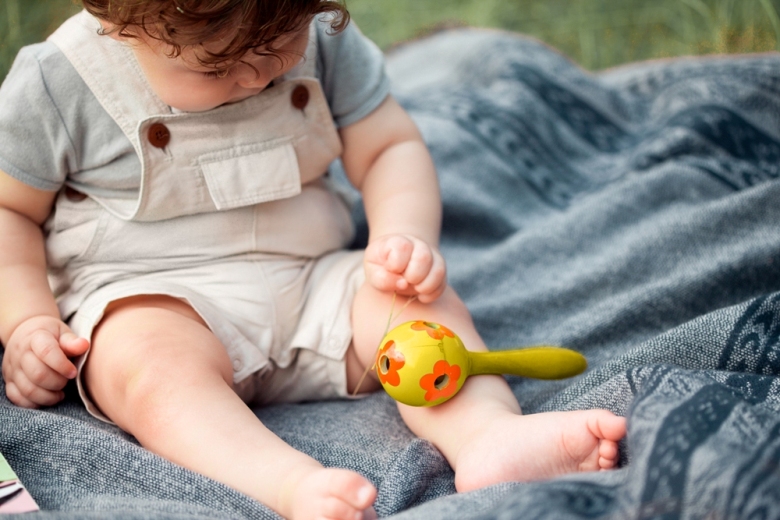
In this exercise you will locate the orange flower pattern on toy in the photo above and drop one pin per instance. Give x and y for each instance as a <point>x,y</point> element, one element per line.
<point>388,362</point>
<point>443,382</point>
<point>434,330</point>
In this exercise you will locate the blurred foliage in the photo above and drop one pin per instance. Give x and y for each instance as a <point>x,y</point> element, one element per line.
<point>28,21</point>
<point>595,33</point>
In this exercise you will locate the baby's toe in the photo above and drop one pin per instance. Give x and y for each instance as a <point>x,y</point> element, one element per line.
<point>605,425</point>
<point>608,454</point>
<point>354,489</point>
<point>336,508</point>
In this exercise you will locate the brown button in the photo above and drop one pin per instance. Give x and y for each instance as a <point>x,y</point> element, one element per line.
<point>159,136</point>
<point>300,97</point>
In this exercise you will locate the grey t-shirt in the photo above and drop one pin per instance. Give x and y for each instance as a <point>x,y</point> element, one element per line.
<point>53,130</point>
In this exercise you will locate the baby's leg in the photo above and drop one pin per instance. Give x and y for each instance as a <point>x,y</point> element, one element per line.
<point>481,431</point>
<point>158,372</point>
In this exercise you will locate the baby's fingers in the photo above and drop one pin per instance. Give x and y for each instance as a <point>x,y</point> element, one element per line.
<point>41,375</point>
<point>73,345</point>
<point>22,392</point>
<point>420,264</point>
<point>16,397</point>
<point>381,279</point>
<point>47,348</point>
<point>397,253</point>
<point>434,283</point>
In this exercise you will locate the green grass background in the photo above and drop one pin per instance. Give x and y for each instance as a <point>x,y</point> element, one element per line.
<point>595,33</point>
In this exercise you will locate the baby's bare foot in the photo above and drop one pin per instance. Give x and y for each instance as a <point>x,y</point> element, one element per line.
<point>331,493</point>
<point>539,446</point>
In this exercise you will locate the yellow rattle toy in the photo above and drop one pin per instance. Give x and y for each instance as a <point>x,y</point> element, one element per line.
<point>421,363</point>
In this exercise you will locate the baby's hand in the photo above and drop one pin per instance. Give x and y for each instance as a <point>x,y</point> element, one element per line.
<point>406,264</point>
<point>36,365</point>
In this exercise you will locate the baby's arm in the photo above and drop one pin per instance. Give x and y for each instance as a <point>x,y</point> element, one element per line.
<point>37,343</point>
<point>387,160</point>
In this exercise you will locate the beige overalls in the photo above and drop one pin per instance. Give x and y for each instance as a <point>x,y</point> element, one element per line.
<point>233,216</point>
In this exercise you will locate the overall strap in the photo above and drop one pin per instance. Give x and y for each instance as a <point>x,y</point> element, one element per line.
<point>99,60</point>
<point>307,68</point>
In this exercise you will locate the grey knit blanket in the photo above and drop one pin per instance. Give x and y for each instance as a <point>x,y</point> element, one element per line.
<point>633,215</point>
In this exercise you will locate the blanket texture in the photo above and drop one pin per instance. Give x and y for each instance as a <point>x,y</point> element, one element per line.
<point>632,215</point>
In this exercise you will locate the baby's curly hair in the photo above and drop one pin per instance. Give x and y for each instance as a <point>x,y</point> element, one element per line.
<point>245,25</point>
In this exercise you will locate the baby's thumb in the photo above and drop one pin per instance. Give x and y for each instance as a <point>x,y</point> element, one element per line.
<point>73,345</point>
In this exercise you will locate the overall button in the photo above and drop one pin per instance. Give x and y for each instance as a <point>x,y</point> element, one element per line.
<point>158,135</point>
<point>300,97</point>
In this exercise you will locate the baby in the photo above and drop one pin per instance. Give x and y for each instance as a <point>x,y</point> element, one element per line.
<point>170,239</point>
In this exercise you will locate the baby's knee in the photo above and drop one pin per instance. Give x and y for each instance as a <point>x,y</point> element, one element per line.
<point>122,376</point>
<point>139,360</point>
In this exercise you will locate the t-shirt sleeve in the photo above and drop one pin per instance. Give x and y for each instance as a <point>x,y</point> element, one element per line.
<point>352,73</point>
<point>35,147</point>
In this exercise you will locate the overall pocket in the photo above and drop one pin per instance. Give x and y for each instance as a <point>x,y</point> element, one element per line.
<point>251,174</point>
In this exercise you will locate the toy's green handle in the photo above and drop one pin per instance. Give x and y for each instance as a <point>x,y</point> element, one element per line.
<point>540,362</point>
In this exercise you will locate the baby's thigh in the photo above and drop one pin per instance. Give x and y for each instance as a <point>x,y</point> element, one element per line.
<point>149,344</point>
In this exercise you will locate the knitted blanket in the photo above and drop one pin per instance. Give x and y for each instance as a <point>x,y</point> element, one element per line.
<point>632,215</point>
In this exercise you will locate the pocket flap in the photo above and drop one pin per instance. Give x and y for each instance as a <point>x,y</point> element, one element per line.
<point>250,174</point>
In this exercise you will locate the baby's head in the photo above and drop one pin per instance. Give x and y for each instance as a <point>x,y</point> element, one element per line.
<point>199,54</point>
